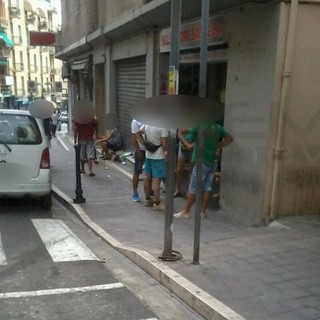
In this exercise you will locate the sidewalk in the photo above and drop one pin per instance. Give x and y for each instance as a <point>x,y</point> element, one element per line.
<point>257,273</point>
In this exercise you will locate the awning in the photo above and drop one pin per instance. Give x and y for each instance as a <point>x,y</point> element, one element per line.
<point>41,13</point>
<point>27,6</point>
<point>5,39</point>
<point>78,65</point>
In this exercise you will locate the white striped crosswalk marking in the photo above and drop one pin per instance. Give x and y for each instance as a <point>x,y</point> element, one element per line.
<point>3,260</point>
<point>38,293</point>
<point>61,243</point>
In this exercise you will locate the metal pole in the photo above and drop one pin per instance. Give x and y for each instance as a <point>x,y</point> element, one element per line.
<point>168,253</point>
<point>200,139</point>
<point>79,198</point>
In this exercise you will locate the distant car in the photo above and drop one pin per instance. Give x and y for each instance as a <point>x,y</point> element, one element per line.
<point>63,118</point>
<point>24,157</point>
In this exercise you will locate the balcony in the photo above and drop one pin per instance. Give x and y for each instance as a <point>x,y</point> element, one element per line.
<point>14,12</point>
<point>17,40</point>
<point>43,49</point>
<point>33,68</point>
<point>18,67</point>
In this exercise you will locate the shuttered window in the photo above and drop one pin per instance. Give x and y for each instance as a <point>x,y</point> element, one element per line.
<point>131,87</point>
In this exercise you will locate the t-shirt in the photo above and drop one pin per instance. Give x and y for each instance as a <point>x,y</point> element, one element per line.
<point>115,138</point>
<point>154,135</point>
<point>212,136</point>
<point>135,127</point>
<point>86,131</point>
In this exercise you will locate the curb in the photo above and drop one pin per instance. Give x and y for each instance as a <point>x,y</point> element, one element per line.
<point>204,304</point>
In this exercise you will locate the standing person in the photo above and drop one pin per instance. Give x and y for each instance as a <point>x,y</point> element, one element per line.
<point>84,135</point>
<point>155,141</point>
<point>54,123</point>
<point>184,157</point>
<point>139,158</point>
<point>215,138</point>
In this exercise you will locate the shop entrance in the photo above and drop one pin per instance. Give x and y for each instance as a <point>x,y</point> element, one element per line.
<point>216,80</point>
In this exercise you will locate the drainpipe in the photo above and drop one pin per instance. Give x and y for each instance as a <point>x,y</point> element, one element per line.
<point>286,81</point>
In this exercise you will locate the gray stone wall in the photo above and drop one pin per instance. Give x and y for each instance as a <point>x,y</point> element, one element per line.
<point>252,32</point>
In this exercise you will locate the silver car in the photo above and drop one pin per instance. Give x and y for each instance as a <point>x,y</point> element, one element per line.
<point>24,157</point>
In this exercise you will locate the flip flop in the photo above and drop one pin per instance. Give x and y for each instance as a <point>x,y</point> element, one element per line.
<point>177,194</point>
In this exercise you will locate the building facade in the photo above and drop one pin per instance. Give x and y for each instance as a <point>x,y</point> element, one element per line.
<point>28,71</point>
<point>262,66</point>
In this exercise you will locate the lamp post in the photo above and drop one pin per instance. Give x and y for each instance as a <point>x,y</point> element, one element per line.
<point>79,198</point>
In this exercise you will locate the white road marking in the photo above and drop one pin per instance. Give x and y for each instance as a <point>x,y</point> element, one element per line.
<point>48,292</point>
<point>3,260</point>
<point>62,143</point>
<point>61,243</point>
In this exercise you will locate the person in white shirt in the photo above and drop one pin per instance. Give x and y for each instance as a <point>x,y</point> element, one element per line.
<point>139,158</point>
<point>155,141</point>
<point>54,123</point>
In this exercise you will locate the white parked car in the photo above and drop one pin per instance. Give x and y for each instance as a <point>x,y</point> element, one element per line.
<point>24,157</point>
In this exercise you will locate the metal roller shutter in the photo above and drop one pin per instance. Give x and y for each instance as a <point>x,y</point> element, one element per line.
<point>131,87</point>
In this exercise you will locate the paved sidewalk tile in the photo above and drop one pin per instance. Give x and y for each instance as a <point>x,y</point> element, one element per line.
<point>262,273</point>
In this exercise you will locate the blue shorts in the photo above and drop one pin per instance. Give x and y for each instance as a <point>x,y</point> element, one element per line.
<point>155,168</point>
<point>138,163</point>
<point>207,178</point>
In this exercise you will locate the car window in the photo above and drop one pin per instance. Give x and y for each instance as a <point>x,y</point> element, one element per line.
<point>19,129</point>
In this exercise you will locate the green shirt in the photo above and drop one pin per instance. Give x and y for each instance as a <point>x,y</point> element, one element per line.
<point>213,134</point>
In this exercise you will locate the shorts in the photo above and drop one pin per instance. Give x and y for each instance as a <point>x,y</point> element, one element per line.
<point>207,178</point>
<point>138,163</point>
<point>155,168</point>
<point>87,150</point>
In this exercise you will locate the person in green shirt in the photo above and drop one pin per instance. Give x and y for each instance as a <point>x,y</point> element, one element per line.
<point>215,138</point>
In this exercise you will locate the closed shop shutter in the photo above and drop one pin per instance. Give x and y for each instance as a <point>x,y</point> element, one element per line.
<point>131,87</point>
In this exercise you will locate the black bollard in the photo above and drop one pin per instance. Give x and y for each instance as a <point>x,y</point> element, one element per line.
<point>79,198</point>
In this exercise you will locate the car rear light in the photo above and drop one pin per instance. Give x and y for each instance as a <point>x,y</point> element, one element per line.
<point>45,159</point>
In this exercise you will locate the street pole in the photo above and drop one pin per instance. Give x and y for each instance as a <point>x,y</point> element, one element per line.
<point>200,138</point>
<point>168,253</point>
<point>79,198</point>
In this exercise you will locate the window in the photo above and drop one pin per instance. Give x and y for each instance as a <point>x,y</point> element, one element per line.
<point>19,129</point>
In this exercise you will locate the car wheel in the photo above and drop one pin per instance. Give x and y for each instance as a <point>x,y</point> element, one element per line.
<point>46,202</point>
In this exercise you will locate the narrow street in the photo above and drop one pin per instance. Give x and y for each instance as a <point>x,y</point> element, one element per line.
<point>52,267</point>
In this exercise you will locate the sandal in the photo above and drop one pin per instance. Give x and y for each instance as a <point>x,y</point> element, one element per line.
<point>177,195</point>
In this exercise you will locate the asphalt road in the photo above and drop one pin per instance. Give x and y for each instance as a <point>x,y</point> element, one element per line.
<point>52,267</point>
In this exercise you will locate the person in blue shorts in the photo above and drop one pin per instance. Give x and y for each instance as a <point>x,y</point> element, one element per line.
<point>155,141</point>
<point>215,138</point>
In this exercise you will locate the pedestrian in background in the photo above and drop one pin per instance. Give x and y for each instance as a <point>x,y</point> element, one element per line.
<point>54,123</point>
<point>215,138</point>
<point>139,158</point>
<point>85,134</point>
